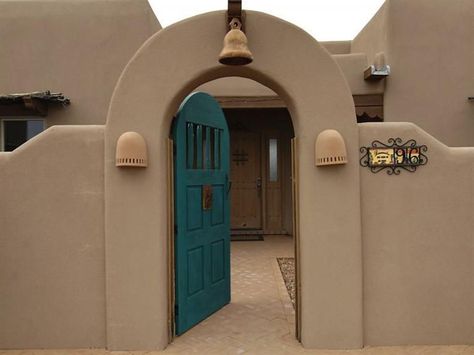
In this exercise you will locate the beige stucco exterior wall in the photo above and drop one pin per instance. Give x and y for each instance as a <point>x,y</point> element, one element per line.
<point>83,257</point>
<point>418,238</point>
<point>374,37</point>
<point>145,100</point>
<point>52,261</point>
<point>337,47</point>
<point>235,86</point>
<point>428,44</point>
<point>75,47</point>
<point>353,66</point>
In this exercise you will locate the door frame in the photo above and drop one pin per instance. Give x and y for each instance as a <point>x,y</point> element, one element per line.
<point>170,242</point>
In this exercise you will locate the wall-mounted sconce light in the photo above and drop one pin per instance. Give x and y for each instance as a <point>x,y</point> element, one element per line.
<point>374,74</point>
<point>235,50</point>
<point>330,148</point>
<point>131,151</point>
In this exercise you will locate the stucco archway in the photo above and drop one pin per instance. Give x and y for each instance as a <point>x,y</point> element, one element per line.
<point>147,95</point>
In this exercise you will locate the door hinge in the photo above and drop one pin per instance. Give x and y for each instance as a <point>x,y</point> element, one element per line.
<point>175,229</point>
<point>176,309</point>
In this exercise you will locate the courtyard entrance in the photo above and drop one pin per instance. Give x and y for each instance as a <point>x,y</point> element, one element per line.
<point>241,190</point>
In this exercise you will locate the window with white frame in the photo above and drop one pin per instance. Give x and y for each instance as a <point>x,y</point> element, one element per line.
<point>16,131</point>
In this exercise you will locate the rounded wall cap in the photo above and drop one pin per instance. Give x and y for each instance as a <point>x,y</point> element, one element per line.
<point>330,148</point>
<point>131,151</point>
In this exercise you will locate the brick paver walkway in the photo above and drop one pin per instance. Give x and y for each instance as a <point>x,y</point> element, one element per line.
<point>260,316</point>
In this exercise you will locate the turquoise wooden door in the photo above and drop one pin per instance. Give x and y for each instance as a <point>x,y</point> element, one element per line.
<point>202,238</point>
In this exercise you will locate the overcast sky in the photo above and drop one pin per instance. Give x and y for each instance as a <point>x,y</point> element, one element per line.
<point>324,19</point>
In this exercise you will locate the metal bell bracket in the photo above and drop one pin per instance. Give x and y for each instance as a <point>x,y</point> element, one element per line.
<point>234,15</point>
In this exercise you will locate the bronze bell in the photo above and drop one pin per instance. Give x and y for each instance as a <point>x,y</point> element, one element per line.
<point>235,51</point>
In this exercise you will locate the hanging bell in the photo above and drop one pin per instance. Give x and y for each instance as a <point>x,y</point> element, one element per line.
<point>236,50</point>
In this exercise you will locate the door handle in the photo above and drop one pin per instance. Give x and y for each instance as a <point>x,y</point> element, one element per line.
<point>259,187</point>
<point>228,183</point>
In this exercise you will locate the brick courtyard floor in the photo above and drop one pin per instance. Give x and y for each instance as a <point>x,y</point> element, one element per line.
<point>260,318</point>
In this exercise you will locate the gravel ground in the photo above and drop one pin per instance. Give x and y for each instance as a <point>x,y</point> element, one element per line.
<point>287,267</point>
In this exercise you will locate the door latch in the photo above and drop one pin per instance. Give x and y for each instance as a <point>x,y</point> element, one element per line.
<point>206,197</point>
<point>259,186</point>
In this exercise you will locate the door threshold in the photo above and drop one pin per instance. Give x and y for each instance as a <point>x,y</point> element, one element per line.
<point>246,231</point>
<point>247,238</point>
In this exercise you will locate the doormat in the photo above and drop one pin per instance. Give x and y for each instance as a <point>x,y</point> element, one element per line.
<point>246,237</point>
<point>287,268</point>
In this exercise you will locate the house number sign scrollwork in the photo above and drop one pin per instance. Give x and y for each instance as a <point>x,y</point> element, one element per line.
<point>394,156</point>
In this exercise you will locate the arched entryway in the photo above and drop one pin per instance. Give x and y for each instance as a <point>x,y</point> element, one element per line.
<point>250,184</point>
<point>152,86</point>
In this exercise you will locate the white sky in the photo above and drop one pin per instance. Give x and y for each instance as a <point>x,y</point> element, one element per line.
<point>324,19</point>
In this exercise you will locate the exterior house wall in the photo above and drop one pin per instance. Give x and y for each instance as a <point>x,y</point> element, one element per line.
<point>235,86</point>
<point>317,96</point>
<point>84,251</point>
<point>417,237</point>
<point>428,44</point>
<point>374,37</point>
<point>74,47</point>
<point>353,66</point>
<point>52,276</point>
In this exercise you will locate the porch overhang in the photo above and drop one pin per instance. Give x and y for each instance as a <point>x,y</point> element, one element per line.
<point>31,104</point>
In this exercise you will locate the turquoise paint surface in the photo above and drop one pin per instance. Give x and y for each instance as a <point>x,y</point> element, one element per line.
<point>202,240</point>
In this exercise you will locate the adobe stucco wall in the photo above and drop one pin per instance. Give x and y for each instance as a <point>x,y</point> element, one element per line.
<point>418,239</point>
<point>300,71</point>
<point>77,240</point>
<point>429,47</point>
<point>75,47</point>
<point>52,267</point>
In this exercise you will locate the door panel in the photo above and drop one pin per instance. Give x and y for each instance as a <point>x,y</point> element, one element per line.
<point>246,195</point>
<point>202,239</point>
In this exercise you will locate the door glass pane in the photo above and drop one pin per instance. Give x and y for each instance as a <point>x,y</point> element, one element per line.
<point>273,159</point>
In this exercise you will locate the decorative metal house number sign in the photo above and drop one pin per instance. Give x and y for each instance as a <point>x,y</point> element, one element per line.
<point>394,156</point>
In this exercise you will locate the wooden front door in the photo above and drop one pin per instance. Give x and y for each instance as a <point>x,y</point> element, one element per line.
<point>246,179</point>
<point>202,233</point>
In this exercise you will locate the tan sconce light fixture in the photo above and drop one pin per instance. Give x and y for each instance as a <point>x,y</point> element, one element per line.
<point>131,151</point>
<point>235,50</point>
<point>330,148</point>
